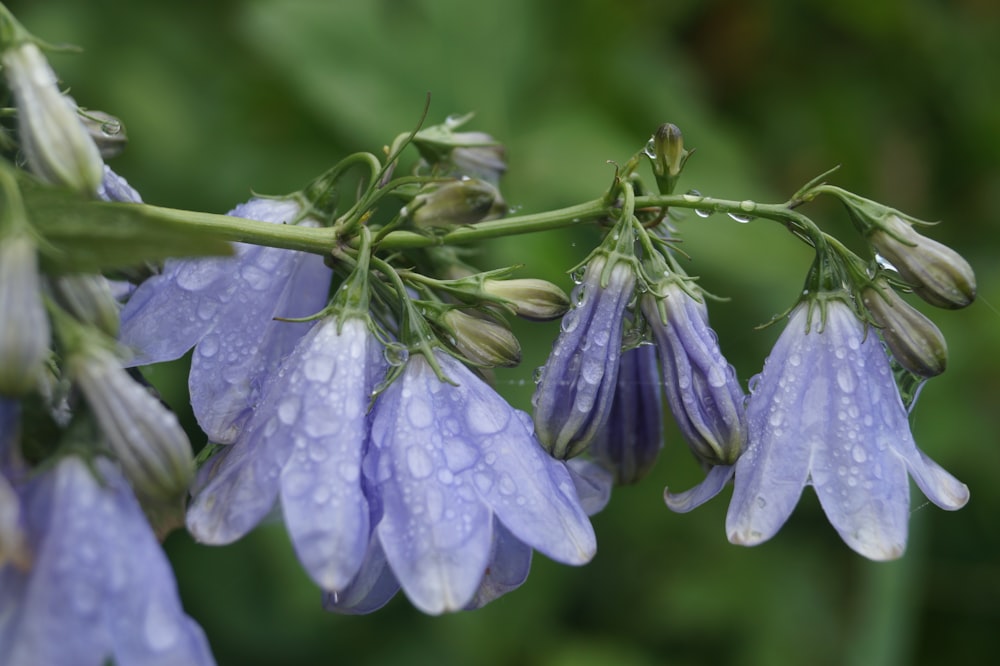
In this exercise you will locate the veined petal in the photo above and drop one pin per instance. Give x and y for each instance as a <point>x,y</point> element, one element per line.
<point>371,589</point>
<point>245,346</point>
<point>324,505</point>
<point>435,530</point>
<point>510,563</point>
<point>786,423</point>
<point>716,479</point>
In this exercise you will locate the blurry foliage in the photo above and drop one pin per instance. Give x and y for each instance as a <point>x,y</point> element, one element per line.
<point>221,97</point>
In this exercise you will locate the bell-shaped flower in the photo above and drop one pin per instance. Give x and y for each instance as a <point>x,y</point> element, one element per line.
<point>99,588</point>
<point>826,412</point>
<point>305,444</point>
<point>573,398</point>
<point>449,458</point>
<point>226,309</point>
<point>630,441</point>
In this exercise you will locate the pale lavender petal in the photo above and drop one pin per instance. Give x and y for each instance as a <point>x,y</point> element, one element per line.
<point>322,498</point>
<point>531,493</point>
<point>435,530</point>
<point>115,188</point>
<point>246,345</point>
<point>938,485</point>
<point>593,484</point>
<point>509,565</point>
<point>370,590</point>
<point>786,420</point>
<point>716,479</point>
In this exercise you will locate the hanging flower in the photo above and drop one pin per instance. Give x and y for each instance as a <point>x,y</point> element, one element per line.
<point>226,309</point>
<point>826,412</point>
<point>99,587</point>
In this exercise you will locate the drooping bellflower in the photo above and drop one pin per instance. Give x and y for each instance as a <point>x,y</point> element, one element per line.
<point>99,587</point>
<point>573,397</point>
<point>826,412</point>
<point>226,309</point>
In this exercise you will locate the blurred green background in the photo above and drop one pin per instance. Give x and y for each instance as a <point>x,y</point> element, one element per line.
<point>221,97</point>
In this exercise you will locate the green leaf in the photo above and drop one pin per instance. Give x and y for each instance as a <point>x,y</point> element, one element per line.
<point>79,235</point>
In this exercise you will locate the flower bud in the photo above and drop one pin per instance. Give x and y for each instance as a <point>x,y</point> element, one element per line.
<point>701,387</point>
<point>537,300</point>
<point>458,202</point>
<point>484,342</point>
<point>89,299</point>
<point>668,156</point>
<point>24,325</point>
<point>144,436</point>
<point>915,342</point>
<point>55,142</point>
<point>937,274</point>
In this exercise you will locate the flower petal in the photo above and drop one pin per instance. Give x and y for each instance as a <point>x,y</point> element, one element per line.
<point>435,530</point>
<point>323,502</point>
<point>510,563</point>
<point>716,479</point>
<point>371,589</point>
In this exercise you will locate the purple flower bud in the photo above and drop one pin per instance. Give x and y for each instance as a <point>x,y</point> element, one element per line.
<point>630,441</point>
<point>826,412</point>
<point>537,300</point>
<point>89,299</point>
<point>915,342</point>
<point>701,386</point>
<point>937,273</point>
<point>55,142</point>
<point>100,587</point>
<point>577,383</point>
<point>24,325</point>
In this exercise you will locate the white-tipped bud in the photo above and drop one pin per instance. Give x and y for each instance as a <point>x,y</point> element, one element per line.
<point>458,202</point>
<point>143,435</point>
<point>55,142</point>
<point>937,273</point>
<point>24,325</point>
<point>485,342</point>
<point>531,298</point>
<point>915,342</point>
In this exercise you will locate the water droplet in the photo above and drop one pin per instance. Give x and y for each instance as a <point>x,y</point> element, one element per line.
<point>748,206</point>
<point>737,217</point>
<point>209,346</point>
<point>536,376</point>
<point>859,454</point>
<point>702,213</point>
<point>418,412</point>
<point>577,276</point>
<point>395,354</point>
<point>419,462</point>
<point>288,410</point>
<point>692,196</point>
<point>761,502</point>
<point>846,380</point>
<point>794,360</point>
<point>884,263</point>
<point>507,485</point>
<point>650,149</point>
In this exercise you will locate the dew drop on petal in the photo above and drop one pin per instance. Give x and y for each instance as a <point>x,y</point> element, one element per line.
<point>419,462</point>
<point>418,412</point>
<point>859,454</point>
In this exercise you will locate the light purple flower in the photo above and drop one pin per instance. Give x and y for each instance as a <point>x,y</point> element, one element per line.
<point>701,387</point>
<point>448,458</point>
<point>304,443</point>
<point>225,308</point>
<point>826,412</point>
<point>630,441</point>
<point>115,188</point>
<point>100,587</point>
<point>573,397</point>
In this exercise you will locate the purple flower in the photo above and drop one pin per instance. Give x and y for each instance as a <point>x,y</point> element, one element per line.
<point>574,393</point>
<point>826,412</point>
<point>225,308</point>
<point>630,441</point>
<point>305,442</point>
<point>448,458</point>
<point>100,587</point>
<point>702,390</point>
<point>115,188</point>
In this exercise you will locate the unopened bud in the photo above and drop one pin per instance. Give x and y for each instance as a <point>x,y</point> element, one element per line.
<point>89,299</point>
<point>668,156</point>
<point>55,142</point>
<point>937,273</point>
<point>143,435</point>
<point>915,342</point>
<point>24,325</point>
<point>538,300</point>
<point>458,202</point>
<point>485,342</point>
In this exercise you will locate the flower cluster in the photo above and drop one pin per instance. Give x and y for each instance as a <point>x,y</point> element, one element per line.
<point>341,356</point>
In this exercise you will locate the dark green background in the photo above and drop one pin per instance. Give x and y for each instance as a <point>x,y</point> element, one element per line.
<point>222,97</point>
